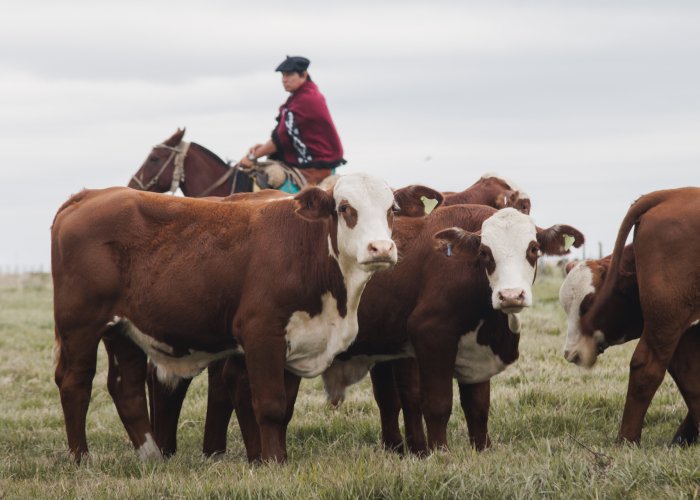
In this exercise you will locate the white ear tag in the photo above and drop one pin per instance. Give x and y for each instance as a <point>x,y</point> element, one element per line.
<point>568,241</point>
<point>429,204</point>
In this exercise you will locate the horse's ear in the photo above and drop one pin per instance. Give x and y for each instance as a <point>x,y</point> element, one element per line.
<point>176,138</point>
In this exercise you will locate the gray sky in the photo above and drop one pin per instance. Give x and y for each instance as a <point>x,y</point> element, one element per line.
<point>585,104</point>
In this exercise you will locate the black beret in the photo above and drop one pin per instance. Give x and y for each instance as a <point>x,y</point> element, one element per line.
<point>293,64</point>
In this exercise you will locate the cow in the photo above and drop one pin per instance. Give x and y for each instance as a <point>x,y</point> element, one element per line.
<point>165,408</point>
<point>453,308</point>
<point>493,191</point>
<point>189,281</point>
<point>650,290</point>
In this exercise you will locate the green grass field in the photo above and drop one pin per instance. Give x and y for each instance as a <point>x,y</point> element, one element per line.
<point>552,424</point>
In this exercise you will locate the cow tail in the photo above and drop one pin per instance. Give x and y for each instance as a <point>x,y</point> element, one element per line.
<point>631,220</point>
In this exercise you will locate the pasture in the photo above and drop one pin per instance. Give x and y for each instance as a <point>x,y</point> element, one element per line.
<point>552,425</point>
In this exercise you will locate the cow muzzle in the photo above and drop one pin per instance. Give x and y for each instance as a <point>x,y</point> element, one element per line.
<point>380,254</point>
<point>584,353</point>
<point>511,300</point>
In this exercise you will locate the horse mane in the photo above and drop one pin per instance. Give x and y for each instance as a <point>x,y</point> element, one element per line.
<point>211,154</point>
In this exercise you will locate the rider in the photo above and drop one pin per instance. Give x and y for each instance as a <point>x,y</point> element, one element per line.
<point>305,140</point>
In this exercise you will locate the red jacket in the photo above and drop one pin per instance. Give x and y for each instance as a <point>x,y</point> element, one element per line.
<point>305,136</point>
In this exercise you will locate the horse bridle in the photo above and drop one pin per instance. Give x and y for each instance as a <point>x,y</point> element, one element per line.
<point>177,155</point>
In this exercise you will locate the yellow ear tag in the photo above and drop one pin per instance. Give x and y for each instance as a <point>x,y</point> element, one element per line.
<point>568,241</point>
<point>429,204</point>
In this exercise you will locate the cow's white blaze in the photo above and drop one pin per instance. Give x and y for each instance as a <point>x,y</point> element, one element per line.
<point>475,362</point>
<point>577,347</point>
<point>508,233</point>
<point>372,198</point>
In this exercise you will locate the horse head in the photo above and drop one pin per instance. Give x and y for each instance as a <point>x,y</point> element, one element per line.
<point>163,168</point>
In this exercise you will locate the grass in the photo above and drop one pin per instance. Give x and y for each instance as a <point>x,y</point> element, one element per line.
<point>552,424</point>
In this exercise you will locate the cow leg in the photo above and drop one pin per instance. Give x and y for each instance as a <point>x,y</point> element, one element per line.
<point>647,369</point>
<point>166,402</point>
<point>436,363</point>
<point>408,383</point>
<point>685,370</point>
<point>476,400</point>
<point>219,410</point>
<point>126,378</point>
<point>76,361</point>
<point>387,398</point>
<point>291,388</point>
<point>265,362</point>
<point>235,377</point>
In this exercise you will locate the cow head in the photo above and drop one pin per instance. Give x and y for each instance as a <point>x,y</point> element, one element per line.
<point>508,247</point>
<point>362,207</point>
<point>617,321</point>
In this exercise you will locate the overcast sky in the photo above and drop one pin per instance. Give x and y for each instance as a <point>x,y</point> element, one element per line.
<point>585,104</point>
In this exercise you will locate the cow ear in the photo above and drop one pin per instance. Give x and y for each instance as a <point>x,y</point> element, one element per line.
<point>458,243</point>
<point>315,203</point>
<point>417,200</point>
<point>557,240</point>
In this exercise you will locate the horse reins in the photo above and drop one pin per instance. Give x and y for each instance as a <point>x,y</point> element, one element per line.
<point>178,154</point>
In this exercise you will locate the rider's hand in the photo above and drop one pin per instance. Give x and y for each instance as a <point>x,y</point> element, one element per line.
<point>246,162</point>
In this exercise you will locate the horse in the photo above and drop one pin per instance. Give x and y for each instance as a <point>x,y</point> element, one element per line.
<point>194,169</point>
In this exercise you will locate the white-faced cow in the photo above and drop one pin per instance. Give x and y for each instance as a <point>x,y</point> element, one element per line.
<point>165,408</point>
<point>190,281</point>
<point>453,306</point>
<point>648,290</point>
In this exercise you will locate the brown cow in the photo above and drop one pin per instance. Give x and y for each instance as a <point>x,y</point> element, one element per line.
<point>165,408</point>
<point>190,281</point>
<point>648,290</point>
<point>455,307</point>
<point>493,191</point>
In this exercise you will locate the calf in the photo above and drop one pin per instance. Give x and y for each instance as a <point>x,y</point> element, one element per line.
<point>493,191</point>
<point>190,281</point>
<point>452,308</point>
<point>648,290</point>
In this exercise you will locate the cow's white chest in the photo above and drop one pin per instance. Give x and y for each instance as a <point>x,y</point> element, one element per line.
<point>170,368</point>
<point>313,342</point>
<point>475,362</point>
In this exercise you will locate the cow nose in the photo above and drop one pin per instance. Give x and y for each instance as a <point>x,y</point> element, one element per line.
<point>572,357</point>
<point>381,249</point>
<point>511,297</point>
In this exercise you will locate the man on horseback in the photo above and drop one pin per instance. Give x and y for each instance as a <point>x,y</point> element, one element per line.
<point>304,147</point>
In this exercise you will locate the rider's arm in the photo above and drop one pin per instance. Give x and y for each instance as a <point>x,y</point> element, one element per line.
<point>258,151</point>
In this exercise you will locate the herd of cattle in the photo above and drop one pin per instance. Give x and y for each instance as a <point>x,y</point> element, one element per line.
<point>265,288</point>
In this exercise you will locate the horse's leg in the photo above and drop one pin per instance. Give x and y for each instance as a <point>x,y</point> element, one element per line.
<point>166,400</point>
<point>126,380</point>
<point>219,409</point>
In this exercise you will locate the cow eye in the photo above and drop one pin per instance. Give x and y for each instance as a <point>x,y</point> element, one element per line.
<point>153,159</point>
<point>342,208</point>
